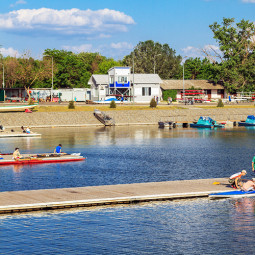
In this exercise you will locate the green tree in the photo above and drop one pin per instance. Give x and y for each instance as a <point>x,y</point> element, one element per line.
<point>106,64</point>
<point>149,56</point>
<point>72,70</point>
<point>236,64</point>
<point>197,69</point>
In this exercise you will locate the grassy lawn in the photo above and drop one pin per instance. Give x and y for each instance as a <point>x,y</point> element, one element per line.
<point>90,108</point>
<point>236,106</point>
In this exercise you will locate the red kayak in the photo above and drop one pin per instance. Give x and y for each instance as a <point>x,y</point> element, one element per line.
<point>7,159</point>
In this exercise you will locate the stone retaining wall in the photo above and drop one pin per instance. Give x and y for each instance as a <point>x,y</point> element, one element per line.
<point>132,117</point>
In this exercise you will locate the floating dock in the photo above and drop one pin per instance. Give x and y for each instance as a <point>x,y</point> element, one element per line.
<point>18,134</point>
<point>50,199</point>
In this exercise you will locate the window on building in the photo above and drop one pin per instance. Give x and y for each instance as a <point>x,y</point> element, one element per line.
<point>220,91</point>
<point>122,79</point>
<point>146,91</point>
<point>111,79</point>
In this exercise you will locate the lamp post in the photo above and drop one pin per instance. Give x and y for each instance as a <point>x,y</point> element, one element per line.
<point>155,61</point>
<point>51,75</point>
<point>183,92</point>
<point>3,81</point>
<point>133,74</point>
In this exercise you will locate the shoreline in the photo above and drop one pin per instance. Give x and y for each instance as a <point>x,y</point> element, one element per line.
<point>121,117</point>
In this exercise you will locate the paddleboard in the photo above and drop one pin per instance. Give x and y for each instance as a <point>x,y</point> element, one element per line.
<point>234,194</point>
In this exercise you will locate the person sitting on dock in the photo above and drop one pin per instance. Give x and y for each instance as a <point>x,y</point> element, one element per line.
<point>235,179</point>
<point>58,149</point>
<point>28,130</point>
<point>249,185</point>
<point>16,154</point>
<point>23,129</point>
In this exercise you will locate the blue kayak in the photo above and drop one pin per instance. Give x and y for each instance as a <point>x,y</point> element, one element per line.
<point>234,194</point>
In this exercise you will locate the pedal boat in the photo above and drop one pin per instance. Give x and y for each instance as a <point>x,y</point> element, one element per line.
<point>250,121</point>
<point>206,122</point>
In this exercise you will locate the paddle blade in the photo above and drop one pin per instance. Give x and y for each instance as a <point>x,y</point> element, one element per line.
<point>216,183</point>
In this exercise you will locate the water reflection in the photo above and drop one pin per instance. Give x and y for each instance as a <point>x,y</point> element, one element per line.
<point>130,154</point>
<point>186,227</point>
<point>243,216</point>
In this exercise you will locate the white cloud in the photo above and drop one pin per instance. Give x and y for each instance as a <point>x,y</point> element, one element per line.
<point>193,52</point>
<point>80,48</point>
<point>113,50</point>
<point>18,3</point>
<point>122,45</point>
<point>9,52</point>
<point>248,1</point>
<point>66,22</point>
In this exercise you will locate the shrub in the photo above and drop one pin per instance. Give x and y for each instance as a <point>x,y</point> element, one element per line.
<point>113,104</point>
<point>220,103</point>
<point>153,103</point>
<point>71,105</point>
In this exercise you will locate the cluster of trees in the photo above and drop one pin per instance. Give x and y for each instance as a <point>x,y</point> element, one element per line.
<point>70,70</point>
<point>233,65</point>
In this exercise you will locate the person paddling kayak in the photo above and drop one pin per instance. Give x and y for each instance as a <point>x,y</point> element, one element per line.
<point>16,154</point>
<point>235,179</point>
<point>58,149</point>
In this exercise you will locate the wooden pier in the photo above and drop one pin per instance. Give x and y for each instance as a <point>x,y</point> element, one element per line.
<point>49,199</point>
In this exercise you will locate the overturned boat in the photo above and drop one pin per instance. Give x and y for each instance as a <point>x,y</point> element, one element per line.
<point>7,159</point>
<point>103,118</point>
<point>250,121</point>
<point>206,122</point>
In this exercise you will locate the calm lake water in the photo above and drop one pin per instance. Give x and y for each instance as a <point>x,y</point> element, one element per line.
<point>128,155</point>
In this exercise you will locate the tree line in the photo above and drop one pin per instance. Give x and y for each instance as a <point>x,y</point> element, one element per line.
<point>232,65</point>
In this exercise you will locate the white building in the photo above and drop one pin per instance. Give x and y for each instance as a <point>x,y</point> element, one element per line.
<point>119,82</point>
<point>74,94</point>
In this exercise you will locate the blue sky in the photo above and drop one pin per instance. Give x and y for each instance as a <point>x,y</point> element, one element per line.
<point>113,27</point>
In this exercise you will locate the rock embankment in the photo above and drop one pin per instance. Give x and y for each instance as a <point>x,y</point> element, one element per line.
<point>127,117</point>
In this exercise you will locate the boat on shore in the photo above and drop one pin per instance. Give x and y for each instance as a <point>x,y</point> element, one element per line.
<point>233,194</point>
<point>168,124</point>
<point>250,121</point>
<point>103,118</point>
<point>7,159</point>
<point>16,108</point>
<point>206,122</point>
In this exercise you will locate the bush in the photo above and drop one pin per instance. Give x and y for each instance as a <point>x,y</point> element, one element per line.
<point>153,103</point>
<point>113,104</point>
<point>71,105</point>
<point>220,103</point>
